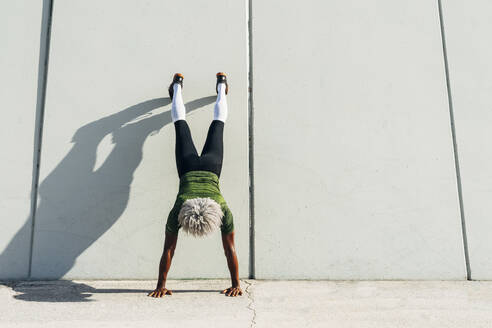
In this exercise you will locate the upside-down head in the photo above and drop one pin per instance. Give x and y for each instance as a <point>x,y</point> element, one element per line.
<point>200,216</point>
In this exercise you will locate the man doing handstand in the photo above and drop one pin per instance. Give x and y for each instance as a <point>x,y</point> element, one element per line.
<point>199,208</point>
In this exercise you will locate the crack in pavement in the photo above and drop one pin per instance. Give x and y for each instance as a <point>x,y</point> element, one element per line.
<point>251,303</point>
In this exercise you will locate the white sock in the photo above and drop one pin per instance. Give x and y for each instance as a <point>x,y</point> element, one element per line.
<point>220,109</point>
<point>178,111</point>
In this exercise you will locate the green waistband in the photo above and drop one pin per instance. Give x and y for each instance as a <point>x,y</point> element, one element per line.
<point>195,182</point>
<point>194,176</point>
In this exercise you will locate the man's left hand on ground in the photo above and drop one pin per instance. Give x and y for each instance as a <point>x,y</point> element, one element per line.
<point>232,291</point>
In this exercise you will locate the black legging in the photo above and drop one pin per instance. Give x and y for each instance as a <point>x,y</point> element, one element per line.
<point>187,158</point>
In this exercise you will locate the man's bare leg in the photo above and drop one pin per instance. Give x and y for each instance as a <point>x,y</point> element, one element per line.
<point>230,253</point>
<point>165,264</point>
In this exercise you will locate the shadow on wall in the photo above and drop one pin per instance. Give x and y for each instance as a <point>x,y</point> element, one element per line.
<point>77,205</point>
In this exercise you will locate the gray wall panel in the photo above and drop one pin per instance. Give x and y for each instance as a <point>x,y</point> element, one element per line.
<point>19,56</point>
<point>108,175</point>
<point>354,169</point>
<point>468,25</point>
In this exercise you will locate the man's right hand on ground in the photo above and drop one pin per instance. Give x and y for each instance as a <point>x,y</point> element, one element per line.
<point>160,292</point>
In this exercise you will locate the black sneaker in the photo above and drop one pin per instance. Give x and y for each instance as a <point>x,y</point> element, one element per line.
<point>221,78</point>
<point>177,78</point>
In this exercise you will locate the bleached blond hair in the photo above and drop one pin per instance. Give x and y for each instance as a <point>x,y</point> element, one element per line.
<point>200,216</point>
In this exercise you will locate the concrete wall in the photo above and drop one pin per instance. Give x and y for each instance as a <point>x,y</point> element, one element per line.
<point>468,25</point>
<point>19,58</point>
<point>353,154</point>
<point>354,162</point>
<point>108,175</point>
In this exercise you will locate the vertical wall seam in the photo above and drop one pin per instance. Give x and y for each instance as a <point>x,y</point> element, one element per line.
<point>455,144</point>
<point>252,272</point>
<point>47,12</point>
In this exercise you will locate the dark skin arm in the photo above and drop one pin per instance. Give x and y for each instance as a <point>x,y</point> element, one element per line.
<point>167,255</point>
<point>165,264</point>
<point>230,253</point>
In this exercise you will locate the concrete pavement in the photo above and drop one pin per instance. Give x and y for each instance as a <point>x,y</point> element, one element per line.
<point>198,303</point>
